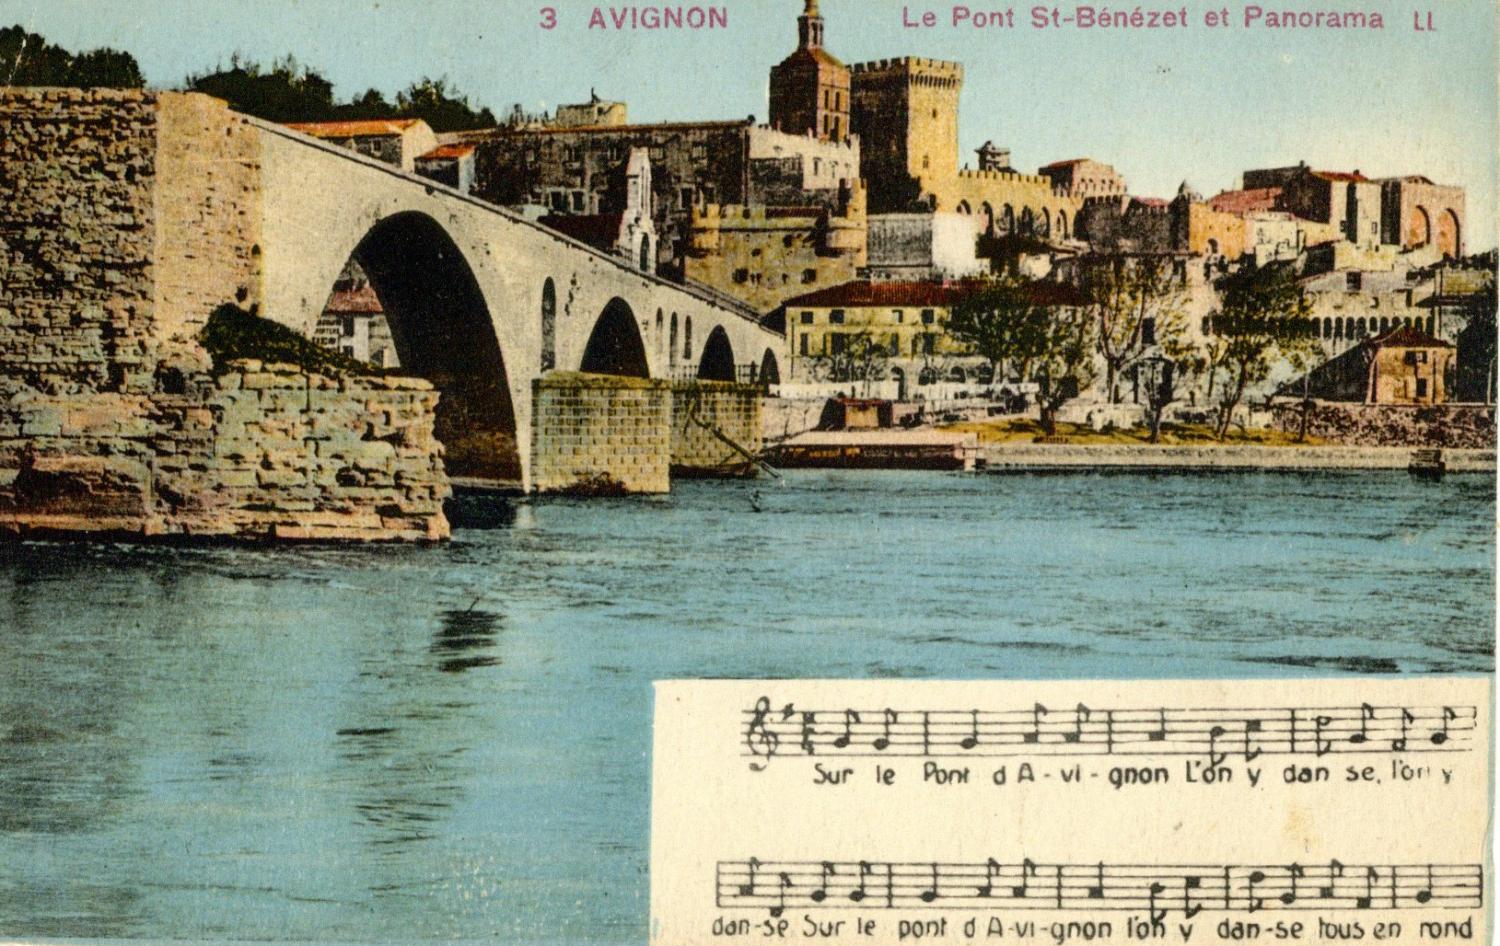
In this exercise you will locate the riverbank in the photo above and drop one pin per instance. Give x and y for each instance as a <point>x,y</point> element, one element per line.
<point>1040,456</point>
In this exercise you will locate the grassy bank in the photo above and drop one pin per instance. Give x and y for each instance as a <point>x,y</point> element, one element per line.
<point>1195,435</point>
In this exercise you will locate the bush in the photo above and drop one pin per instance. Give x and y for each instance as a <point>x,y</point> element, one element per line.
<point>232,333</point>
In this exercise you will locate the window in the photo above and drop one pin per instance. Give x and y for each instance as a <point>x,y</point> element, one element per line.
<point>741,275</point>
<point>803,349</point>
<point>1148,331</point>
<point>929,340</point>
<point>809,275</point>
<point>1421,387</point>
<point>836,317</point>
<point>578,201</point>
<point>928,316</point>
<point>1353,281</point>
<point>817,166</point>
<point>837,343</point>
<point>685,198</point>
<point>895,344</point>
<point>807,318</point>
<point>897,315</point>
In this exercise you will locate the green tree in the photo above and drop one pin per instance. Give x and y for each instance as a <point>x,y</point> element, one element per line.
<point>1054,345</point>
<point>287,92</point>
<point>1263,315</point>
<point>28,59</point>
<point>441,106</point>
<point>1131,297</point>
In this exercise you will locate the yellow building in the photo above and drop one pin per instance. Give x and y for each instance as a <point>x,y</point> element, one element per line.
<point>762,255</point>
<point>905,322</point>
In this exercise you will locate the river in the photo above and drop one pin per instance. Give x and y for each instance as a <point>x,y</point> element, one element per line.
<point>390,744</point>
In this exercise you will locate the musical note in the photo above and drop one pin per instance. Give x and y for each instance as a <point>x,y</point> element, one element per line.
<point>1080,715</point>
<point>1425,894</point>
<point>821,894</point>
<point>808,732</point>
<point>931,893</point>
<point>1153,892</point>
<point>1028,870</point>
<point>1159,734</point>
<point>1335,869</point>
<point>883,742</point>
<point>1399,745</point>
<point>1215,757</point>
<point>748,890</point>
<point>972,739</point>
<point>1251,725</point>
<point>1366,713</point>
<point>1189,908</point>
<point>1319,744</point>
<point>1438,738</point>
<point>1294,872</point>
<point>1256,877</point>
<point>786,882</point>
<point>991,871</point>
<point>858,893</point>
<point>1035,736</point>
<point>850,718</point>
<point>1096,892</point>
<point>761,741</point>
<point>1371,875</point>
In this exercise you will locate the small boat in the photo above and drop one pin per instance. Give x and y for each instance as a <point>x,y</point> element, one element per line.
<point>1427,464</point>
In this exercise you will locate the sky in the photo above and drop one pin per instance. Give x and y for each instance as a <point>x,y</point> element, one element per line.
<point>1163,106</point>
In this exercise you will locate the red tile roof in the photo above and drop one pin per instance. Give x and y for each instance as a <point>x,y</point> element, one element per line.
<point>1407,337</point>
<point>360,300</point>
<point>447,151</point>
<point>1344,176</point>
<point>1246,201</point>
<point>862,293</point>
<point>373,128</point>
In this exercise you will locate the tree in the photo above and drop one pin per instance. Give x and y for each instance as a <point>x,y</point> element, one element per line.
<point>1131,298</point>
<point>1052,344</point>
<point>441,106</point>
<point>28,59</point>
<point>288,92</point>
<point>1262,315</point>
<point>853,356</point>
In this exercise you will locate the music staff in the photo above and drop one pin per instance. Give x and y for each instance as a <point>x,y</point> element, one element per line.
<point>1216,733</point>
<point>1156,889</point>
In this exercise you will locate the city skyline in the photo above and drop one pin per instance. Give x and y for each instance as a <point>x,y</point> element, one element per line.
<point>1162,106</point>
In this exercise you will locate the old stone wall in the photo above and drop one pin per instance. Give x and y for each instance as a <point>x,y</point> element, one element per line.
<point>258,451</point>
<point>731,409</point>
<point>600,434</point>
<point>76,240</point>
<point>1392,425</point>
<point>208,211</point>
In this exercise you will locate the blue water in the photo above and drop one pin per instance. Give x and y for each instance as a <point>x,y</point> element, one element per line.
<point>453,742</point>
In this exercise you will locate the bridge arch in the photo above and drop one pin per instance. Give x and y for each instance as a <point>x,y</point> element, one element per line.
<point>441,328</point>
<point>717,362</point>
<point>615,345</point>
<point>770,369</point>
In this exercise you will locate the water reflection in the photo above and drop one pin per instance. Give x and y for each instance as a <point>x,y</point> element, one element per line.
<point>464,637</point>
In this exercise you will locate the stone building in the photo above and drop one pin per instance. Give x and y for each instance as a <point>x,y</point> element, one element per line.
<point>1416,213</point>
<point>593,113</point>
<point>918,247</point>
<point>1085,177</point>
<point>905,111</point>
<point>763,254</point>
<point>1404,365</point>
<point>1350,306</point>
<point>1199,229</point>
<point>630,231</point>
<point>567,170</point>
<point>903,322</point>
<point>397,141</point>
<point>810,88</point>
<point>449,164</point>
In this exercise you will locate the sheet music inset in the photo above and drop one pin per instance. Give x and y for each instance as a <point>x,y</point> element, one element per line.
<point>1181,812</point>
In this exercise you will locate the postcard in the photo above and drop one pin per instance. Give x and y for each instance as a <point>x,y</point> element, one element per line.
<point>838,471</point>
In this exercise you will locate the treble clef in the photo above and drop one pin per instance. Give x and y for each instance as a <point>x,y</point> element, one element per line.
<point>762,741</point>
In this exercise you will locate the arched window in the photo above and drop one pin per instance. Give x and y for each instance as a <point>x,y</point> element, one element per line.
<point>1328,328</point>
<point>1062,225</point>
<point>1028,222</point>
<point>687,338</point>
<point>645,254</point>
<point>549,325</point>
<point>672,340</point>
<point>1007,219</point>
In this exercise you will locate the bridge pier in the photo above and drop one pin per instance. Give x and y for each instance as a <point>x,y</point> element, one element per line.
<point>601,434</point>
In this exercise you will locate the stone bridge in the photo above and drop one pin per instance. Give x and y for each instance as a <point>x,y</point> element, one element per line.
<point>480,300</point>
<point>127,218</point>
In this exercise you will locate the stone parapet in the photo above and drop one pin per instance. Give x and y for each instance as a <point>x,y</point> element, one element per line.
<point>1391,425</point>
